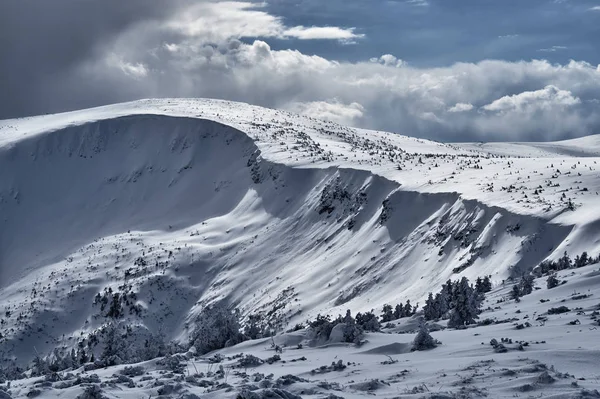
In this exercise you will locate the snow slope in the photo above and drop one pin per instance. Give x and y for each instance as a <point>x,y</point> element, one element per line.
<point>185,202</point>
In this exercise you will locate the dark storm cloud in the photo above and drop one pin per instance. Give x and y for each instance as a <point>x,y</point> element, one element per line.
<point>42,41</point>
<point>450,71</point>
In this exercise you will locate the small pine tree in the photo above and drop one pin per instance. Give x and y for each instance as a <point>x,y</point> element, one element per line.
<point>252,328</point>
<point>564,262</point>
<point>448,293</point>
<point>442,303</point>
<point>479,284</point>
<point>466,304</point>
<point>526,285</point>
<point>398,311</point>
<point>581,261</point>
<point>352,331</point>
<point>82,356</point>
<point>408,310</point>
<point>430,309</point>
<point>487,284</point>
<point>515,293</point>
<point>387,313</point>
<point>114,345</point>
<point>552,281</point>
<point>423,340</point>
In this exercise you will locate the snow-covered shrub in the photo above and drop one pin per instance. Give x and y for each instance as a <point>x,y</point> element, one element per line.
<point>423,340</point>
<point>249,361</point>
<point>91,392</point>
<point>321,327</point>
<point>133,371</point>
<point>215,328</point>
<point>345,329</point>
<point>368,321</point>
<point>10,371</point>
<point>269,393</point>
<point>115,346</point>
<point>558,310</point>
<point>254,328</point>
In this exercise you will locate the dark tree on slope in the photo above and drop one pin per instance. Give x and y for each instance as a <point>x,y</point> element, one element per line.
<point>552,281</point>
<point>526,285</point>
<point>408,309</point>
<point>515,293</point>
<point>443,303</point>
<point>387,313</point>
<point>564,262</point>
<point>114,345</point>
<point>216,328</point>
<point>352,331</point>
<point>398,311</point>
<point>466,305</point>
<point>430,310</point>
<point>483,285</point>
<point>368,321</point>
<point>255,327</point>
<point>583,260</point>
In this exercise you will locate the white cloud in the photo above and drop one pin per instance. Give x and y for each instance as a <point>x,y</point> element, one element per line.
<point>137,70</point>
<point>595,8</point>
<point>552,49</point>
<point>328,32</point>
<point>419,3</point>
<point>461,107</point>
<point>514,36</point>
<point>530,101</point>
<point>516,100</point>
<point>389,60</point>
<point>217,21</point>
<point>332,110</point>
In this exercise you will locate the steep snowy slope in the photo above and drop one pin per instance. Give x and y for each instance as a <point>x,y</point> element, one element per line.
<point>174,204</point>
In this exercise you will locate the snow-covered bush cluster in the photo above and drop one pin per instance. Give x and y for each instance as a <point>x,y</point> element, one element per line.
<point>459,301</point>
<point>343,329</point>
<point>565,262</point>
<point>216,327</point>
<point>399,311</point>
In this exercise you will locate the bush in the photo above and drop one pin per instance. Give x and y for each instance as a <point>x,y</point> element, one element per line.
<point>424,340</point>
<point>558,310</point>
<point>552,281</point>
<point>322,326</point>
<point>216,328</point>
<point>368,321</point>
<point>352,331</point>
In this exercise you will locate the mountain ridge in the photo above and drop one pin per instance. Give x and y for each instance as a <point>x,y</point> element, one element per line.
<point>223,213</point>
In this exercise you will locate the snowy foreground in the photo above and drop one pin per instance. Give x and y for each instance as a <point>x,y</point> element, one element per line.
<point>132,219</point>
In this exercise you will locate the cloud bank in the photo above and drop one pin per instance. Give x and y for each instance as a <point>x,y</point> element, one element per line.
<point>223,50</point>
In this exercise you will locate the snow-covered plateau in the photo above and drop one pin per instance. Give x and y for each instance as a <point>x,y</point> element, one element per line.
<point>126,230</point>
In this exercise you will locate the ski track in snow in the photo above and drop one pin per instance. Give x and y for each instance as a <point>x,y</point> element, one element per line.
<point>186,202</point>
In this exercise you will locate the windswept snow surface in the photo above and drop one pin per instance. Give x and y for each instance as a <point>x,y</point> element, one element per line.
<point>184,202</point>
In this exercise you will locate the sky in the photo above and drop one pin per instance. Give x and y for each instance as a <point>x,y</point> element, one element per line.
<point>460,70</point>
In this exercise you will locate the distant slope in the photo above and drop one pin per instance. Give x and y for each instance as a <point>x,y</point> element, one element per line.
<point>578,148</point>
<point>178,203</point>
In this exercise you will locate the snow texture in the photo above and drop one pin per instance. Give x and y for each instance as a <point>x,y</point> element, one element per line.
<point>129,220</point>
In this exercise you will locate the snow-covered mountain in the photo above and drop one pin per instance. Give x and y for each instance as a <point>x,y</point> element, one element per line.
<point>176,204</point>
